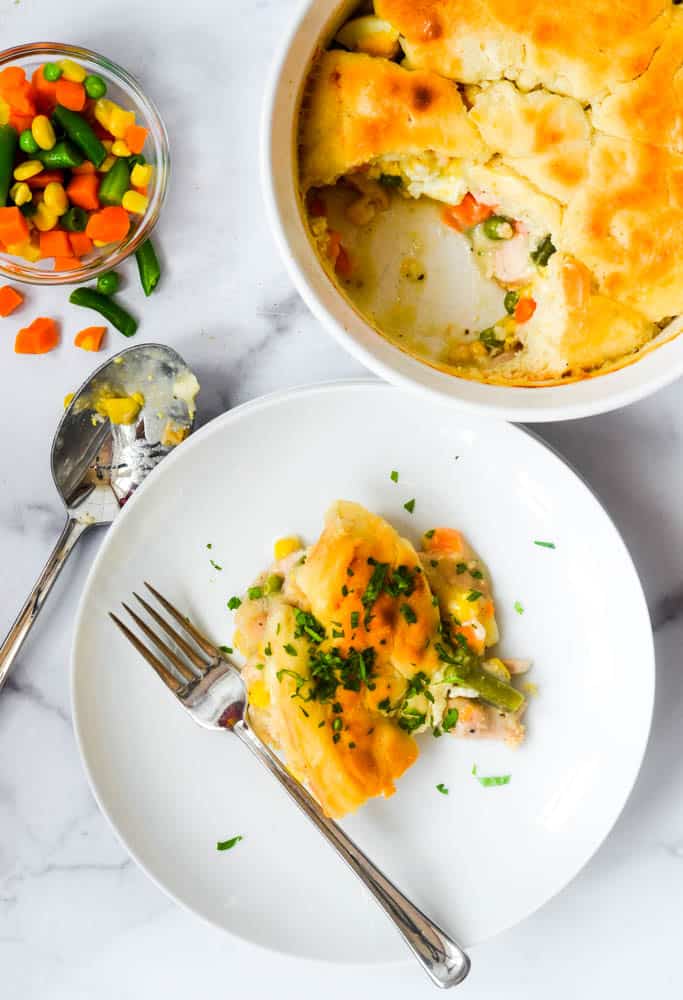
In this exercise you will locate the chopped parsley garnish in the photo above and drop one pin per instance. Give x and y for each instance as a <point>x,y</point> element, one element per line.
<point>330,669</point>
<point>260,666</point>
<point>408,614</point>
<point>410,719</point>
<point>384,705</point>
<point>430,533</point>
<point>234,603</point>
<point>268,649</point>
<point>274,584</point>
<point>225,649</point>
<point>299,679</point>
<point>402,581</point>
<point>449,720</point>
<point>308,625</point>
<point>337,724</point>
<point>349,571</point>
<point>227,845</point>
<point>254,593</point>
<point>355,619</point>
<point>417,684</point>
<point>493,780</point>
<point>442,788</point>
<point>304,711</point>
<point>461,567</point>
<point>546,545</point>
<point>519,607</point>
<point>374,588</point>
<point>290,649</point>
<point>394,476</point>
<point>337,707</point>
<point>352,745</point>
<point>209,545</point>
<point>337,633</point>
<point>433,563</point>
<point>544,251</point>
<point>477,574</point>
<point>345,591</point>
<point>409,505</point>
<point>216,566</point>
<point>336,737</point>
<point>321,724</point>
<point>474,595</point>
<point>490,340</point>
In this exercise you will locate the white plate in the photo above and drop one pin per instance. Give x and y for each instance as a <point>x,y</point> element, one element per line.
<point>479,859</point>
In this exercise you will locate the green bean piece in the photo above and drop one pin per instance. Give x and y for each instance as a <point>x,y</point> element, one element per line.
<point>465,670</point>
<point>27,142</point>
<point>148,266</point>
<point>136,159</point>
<point>115,183</point>
<point>510,301</point>
<point>497,227</point>
<point>62,156</point>
<point>490,340</point>
<point>80,133</point>
<point>544,251</point>
<point>8,147</point>
<point>118,317</point>
<point>75,219</point>
<point>95,86</point>
<point>52,72</point>
<point>108,284</point>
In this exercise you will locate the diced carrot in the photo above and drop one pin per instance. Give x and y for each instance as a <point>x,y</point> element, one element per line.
<point>13,226</point>
<point>82,191</point>
<point>446,540</point>
<point>142,190</point>
<point>20,98</point>
<point>10,299</point>
<point>524,310</point>
<point>90,339</point>
<point>135,137</point>
<point>333,244</point>
<point>66,263</point>
<point>11,77</point>
<point>40,337</point>
<point>470,636</point>
<point>342,264</point>
<point>87,167</point>
<point>465,215</point>
<point>71,95</point>
<point>45,90</point>
<point>315,204</point>
<point>43,179</point>
<point>19,122</point>
<point>55,243</point>
<point>109,225</point>
<point>80,244</point>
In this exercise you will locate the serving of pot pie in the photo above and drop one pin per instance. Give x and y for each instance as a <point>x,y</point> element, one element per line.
<point>550,138</point>
<point>359,643</point>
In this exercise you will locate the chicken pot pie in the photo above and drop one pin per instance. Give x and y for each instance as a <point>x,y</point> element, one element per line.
<point>359,643</point>
<point>552,139</point>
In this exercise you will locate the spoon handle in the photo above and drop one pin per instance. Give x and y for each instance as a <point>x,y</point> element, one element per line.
<point>443,960</point>
<point>73,529</point>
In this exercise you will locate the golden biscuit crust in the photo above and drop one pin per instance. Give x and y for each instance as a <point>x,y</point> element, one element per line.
<point>359,107</point>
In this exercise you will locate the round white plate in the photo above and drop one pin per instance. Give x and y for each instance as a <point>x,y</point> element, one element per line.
<point>479,859</point>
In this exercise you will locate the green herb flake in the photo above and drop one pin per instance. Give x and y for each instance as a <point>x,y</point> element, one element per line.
<point>254,593</point>
<point>384,705</point>
<point>352,745</point>
<point>430,533</point>
<point>393,476</point>
<point>433,563</point>
<point>474,595</point>
<point>493,781</point>
<point>519,607</point>
<point>409,505</point>
<point>227,845</point>
<point>345,591</point>
<point>355,619</point>
<point>226,649</point>
<point>321,724</point>
<point>234,603</point>
<point>268,649</point>
<point>304,711</point>
<point>289,649</point>
<point>216,566</point>
<point>260,666</point>
<point>408,614</point>
<point>474,769</point>
<point>336,737</point>
<point>449,720</point>
<point>349,571</point>
<point>545,545</point>
<point>442,788</point>
<point>209,545</point>
<point>477,574</point>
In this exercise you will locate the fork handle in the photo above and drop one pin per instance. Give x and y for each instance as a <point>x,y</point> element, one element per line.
<point>443,960</point>
<point>73,529</point>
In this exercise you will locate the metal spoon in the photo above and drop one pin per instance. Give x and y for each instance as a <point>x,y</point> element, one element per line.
<point>97,465</point>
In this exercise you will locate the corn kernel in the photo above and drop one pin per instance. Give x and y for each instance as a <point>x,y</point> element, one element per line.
<point>26,250</point>
<point>135,202</point>
<point>68,398</point>
<point>103,110</point>
<point>258,694</point>
<point>120,121</point>
<point>72,71</point>
<point>27,169</point>
<point>20,193</point>
<point>285,546</point>
<point>5,111</point>
<point>100,243</point>
<point>45,218</point>
<point>43,132</point>
<point>141,175</point>
<point>55,197</point>
<point>120,148</point>
<point>107,163</point>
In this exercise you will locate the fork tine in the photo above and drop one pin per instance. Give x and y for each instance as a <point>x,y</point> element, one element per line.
<point>167,677</point>
<point>201,641</point>
<point>197,661</point>
<point>181,667</point>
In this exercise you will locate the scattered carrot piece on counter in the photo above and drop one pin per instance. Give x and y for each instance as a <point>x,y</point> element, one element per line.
<point>468,213</point>
<point>524,310</point>
<point>10,299</point>
<point>40,337</point>
<point>90,339</point>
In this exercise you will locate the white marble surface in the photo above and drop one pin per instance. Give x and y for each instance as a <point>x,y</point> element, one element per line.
<point>77,919</point>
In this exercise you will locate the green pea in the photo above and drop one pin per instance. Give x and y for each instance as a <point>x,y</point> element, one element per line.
<point>497,227</point>
<point>52,72</point>
<point>95,86</point>
<point>490,339</point>
<point>510,302</point>
<point>75,219</point>
<point>108,284</point>
<point>27,142</point>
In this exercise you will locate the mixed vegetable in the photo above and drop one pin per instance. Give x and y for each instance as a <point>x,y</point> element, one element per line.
<point>73,175</point>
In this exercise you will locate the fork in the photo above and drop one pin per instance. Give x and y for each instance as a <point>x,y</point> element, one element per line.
<point>211,689</point>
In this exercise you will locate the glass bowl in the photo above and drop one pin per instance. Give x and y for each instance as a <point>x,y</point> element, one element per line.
<point>126,91</point>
